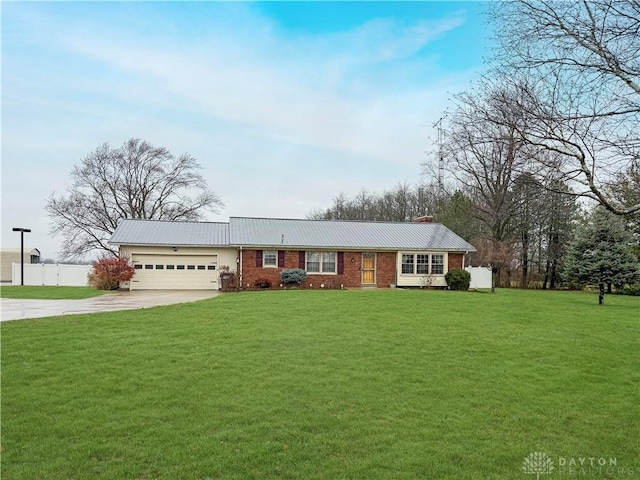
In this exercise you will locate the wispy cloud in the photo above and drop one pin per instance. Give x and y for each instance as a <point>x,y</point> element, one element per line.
<point>331,112</point>
<point>283,89</point>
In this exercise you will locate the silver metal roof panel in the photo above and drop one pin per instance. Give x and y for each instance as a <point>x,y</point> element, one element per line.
<point>273,232</point>
<point>159,232</point>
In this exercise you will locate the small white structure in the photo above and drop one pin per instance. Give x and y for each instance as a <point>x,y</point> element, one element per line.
<point>480,277</point>
<point>52,274</point>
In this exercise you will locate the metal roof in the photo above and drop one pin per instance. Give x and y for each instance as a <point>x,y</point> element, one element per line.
<point>273,232</point>
<point>158,232</point>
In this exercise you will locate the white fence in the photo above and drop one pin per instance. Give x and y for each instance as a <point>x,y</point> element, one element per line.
<point>480,277</point>
<point>49,274</point>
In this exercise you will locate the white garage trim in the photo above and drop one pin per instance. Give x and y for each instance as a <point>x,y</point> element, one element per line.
<point>175,272</point>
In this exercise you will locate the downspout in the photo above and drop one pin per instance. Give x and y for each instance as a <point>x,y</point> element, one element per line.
<point>240,276</point>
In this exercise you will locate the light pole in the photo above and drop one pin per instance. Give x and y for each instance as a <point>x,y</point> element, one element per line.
<point>22,232</point>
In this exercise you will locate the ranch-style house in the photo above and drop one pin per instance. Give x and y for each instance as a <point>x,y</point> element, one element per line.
<point>335,254</point>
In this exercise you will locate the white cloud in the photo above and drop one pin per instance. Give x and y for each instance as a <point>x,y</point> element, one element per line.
<point>286,98</point>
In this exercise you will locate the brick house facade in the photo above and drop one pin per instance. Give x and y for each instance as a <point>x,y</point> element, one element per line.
<point>348,272</point>
<point>335,254</point>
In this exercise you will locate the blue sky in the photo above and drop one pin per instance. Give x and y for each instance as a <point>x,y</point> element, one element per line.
<point>284,104</point>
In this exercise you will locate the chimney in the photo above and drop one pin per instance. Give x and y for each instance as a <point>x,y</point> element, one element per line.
<point>424,219</point>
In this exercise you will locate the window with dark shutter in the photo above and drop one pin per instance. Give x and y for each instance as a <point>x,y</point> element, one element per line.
<point>280,258</point>
<point>269,258</point>
<point>340,263</point>
<point>301,260</point>
<point>259,258</point>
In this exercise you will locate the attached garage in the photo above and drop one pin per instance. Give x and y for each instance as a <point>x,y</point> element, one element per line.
<point>175,272</point>
<point>175,255</point>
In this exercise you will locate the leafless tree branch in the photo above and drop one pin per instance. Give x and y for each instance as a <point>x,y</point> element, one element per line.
<point>136,180</point>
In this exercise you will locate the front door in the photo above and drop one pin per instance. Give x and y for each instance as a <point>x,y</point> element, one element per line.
<point>368,268</point>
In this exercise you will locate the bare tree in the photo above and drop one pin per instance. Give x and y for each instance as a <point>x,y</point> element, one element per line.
<point>528,195</point>
<point>486,151</point>
<point>561,212</point>
<point>136,180</point>
<point>577,66</point>
<point>401,203</point>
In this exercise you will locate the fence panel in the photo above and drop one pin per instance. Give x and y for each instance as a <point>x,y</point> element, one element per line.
<point>480,277</point>
<point>52,275</point>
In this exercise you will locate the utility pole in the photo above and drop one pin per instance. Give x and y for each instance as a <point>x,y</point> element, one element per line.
<point>22,232</point>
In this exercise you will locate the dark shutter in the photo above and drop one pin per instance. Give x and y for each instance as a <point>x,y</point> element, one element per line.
<point>280,258</point>
<point>340,263</point>
<point>259,258</point>
<point>301,260</point>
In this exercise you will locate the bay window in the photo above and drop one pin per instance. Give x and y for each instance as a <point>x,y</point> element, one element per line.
<point>422,264</point>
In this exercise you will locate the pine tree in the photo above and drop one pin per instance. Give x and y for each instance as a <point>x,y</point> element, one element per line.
<point>602,254</point>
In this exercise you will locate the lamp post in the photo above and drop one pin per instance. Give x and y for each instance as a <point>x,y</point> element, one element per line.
<point>22,232</point>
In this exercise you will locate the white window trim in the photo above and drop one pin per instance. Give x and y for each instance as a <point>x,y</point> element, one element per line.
<point>430,264</point>
<point>306,262</point>
<point>402,254</point>
<point>264,256</point>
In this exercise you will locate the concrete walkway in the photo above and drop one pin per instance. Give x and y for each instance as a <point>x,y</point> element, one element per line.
<point>17,309</point>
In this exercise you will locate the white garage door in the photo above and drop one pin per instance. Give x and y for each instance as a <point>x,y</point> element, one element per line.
<point>174,272</point>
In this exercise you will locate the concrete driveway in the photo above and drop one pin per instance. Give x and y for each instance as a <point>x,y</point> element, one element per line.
<point>16,309</point>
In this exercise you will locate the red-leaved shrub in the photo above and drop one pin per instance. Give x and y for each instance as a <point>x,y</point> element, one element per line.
<point>107,273</point>
<point>263,283</point>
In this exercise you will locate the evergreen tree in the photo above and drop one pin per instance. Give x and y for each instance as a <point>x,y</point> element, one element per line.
<point>602,254</point>
<point>456,213</point>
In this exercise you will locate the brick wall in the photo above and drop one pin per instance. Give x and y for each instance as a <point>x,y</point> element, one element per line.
<point>251,273</point>
<point>455,260</point>
<point>351,277</point>
<point>385,269</point>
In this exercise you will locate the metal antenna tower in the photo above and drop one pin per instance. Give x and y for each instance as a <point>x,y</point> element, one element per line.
<point>440,154</point>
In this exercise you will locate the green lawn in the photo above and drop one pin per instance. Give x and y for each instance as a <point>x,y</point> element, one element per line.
<point>49,293</point>
<point>383,384</point>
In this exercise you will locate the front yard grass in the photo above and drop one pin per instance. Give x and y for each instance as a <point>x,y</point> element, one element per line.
<point>49,292</point>
<point>324,385</point>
